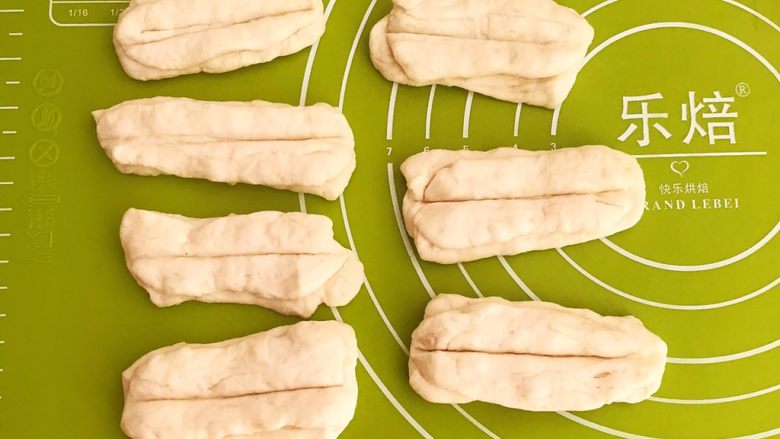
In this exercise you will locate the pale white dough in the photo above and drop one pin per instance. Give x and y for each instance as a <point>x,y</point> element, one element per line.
<point>288,262</point>
<point>292,382</point>
<point>531,355</point>
<point>164,38</point>
<point>467,205</point>
<point>524,51</point>
<point>305,149</point>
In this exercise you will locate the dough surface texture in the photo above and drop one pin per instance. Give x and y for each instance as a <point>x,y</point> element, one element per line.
<point>288,262</point>
<point>467,205</point>
<point>535,356</point>
<point>157,39</point>
<point>291,382</point>
<point>304,149</point>
<point>524,51</point>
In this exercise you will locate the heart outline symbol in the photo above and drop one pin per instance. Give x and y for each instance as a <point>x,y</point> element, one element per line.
<point>680,167</point>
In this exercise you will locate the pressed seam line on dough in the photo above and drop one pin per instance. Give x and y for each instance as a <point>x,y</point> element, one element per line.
<point>239,255</point>
<point>244,395</point>
<point>528,354</point>
<point>532,198</point>
<point>218,139</point>
<point>221,55</point>
<point>207,26</point>
<point>565,43</point>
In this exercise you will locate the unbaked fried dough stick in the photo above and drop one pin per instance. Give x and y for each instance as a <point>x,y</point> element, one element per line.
<point>291,382</point>
<point>527,51</point>
<point>534,356</point>
<point>288,262</point>
<point>304,149</point>
<point>467,205</point>
<point>157,39</point>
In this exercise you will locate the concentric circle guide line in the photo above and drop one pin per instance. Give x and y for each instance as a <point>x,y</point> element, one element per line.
<point>517,279</point>
<point>755,13</point>
<point>312,55</point>
<point>429,112</point>
<point>626,435</point>
<point>467,114</point>
<point>516,127</point>
<point>726,358</point>
<point>700,154</point>
<point>351,57</point>
<point>404,237</point>
<point>383,388</point>
<point>722,400</point>
<point>702,267</point>
<point>655,304</point>
<point>747,9</point>
<point>598,6</point>
<point>391,111</point>
<point>367,284</point>
<point>469,280</point>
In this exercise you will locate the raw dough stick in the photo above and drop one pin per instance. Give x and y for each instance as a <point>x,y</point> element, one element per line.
<point>467,205</point>
<point>164,38</point>
<point>526,51</point>
<point>288,262</point>
<point>535,356</point>
<point>291,382</point>
<point>305,149</point>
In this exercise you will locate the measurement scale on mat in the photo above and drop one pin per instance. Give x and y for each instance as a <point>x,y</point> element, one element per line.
<point>12,54</point>
<point>85,13</point>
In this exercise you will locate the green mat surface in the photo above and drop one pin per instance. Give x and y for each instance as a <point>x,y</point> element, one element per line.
<point>701,269</point>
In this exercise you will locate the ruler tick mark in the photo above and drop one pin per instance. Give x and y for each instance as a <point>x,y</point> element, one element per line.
<point>11,58</point>
<point>9,107</point>
<point>8,132</point>
<point>11,11</point>
<point>6,183</point>
<point>4,235</point>
<point>15,34</point>
<point>10,157</point>
<point>12,82</point>
<point>6,209</point>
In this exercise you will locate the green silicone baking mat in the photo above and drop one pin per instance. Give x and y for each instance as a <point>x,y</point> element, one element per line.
<point>690,87</point>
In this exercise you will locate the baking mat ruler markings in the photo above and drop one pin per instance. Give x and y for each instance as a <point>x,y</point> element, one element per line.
<point>9,108</point>
<point>85,13</point>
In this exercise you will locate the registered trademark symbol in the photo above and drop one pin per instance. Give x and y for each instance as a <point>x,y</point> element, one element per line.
<point>742,89</point>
